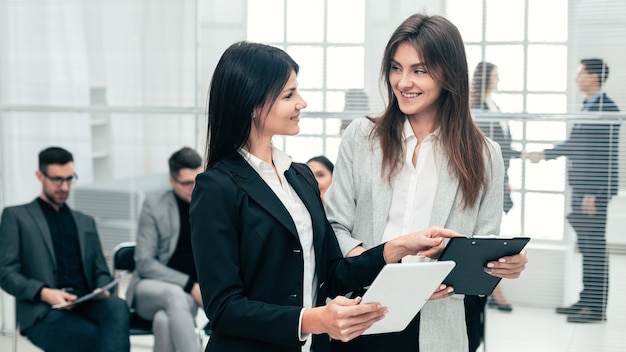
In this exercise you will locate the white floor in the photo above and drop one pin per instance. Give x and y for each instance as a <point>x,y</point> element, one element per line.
<point>525,329</point>
<point>542,330</point>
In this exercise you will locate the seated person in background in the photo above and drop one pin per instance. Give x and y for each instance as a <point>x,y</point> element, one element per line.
<point>164,286</point>
<point>323,171</point>
<point>51,254</point>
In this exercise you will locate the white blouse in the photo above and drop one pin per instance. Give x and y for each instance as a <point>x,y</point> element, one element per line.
<point>413,189</point>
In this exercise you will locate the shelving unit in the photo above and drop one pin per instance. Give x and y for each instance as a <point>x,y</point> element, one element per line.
<point>101,135</point>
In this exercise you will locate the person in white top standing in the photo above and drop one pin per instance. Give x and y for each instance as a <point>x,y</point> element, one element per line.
<point>266,257</point>
<point>422,162</point>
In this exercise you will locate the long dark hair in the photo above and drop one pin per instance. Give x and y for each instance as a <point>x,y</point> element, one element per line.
<point>442,50</point>
<point>481,82</point>
<point>324,161</point>
<point>248,76</point>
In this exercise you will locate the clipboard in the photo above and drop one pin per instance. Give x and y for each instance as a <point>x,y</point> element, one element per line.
<point>471,256</point>
<point>92,295</point>
<point>404,288</point>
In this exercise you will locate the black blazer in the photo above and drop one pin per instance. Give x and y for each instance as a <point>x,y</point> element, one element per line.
<point>249,258</point>
<point>28,261</point>
<point>592,150</point>
<point>495,132</point>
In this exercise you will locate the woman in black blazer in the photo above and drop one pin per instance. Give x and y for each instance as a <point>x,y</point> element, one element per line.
<point>266,256</point>
<point>484,84</point>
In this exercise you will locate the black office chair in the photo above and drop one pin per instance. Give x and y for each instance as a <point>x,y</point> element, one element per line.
<point>124,259</point>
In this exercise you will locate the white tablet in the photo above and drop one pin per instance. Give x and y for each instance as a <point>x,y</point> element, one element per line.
<point>404,288</point>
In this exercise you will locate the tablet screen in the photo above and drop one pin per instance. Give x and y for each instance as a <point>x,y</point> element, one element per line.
<point>404,288</point>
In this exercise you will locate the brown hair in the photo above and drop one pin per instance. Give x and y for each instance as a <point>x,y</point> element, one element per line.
<point>442,50</point>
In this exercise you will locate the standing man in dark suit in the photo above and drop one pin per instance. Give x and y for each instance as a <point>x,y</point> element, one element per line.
<point>592,174</point>
<point>50,255</point>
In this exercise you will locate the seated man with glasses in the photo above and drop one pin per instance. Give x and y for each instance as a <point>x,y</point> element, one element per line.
<point>51,255</point>
<point>164,287</point>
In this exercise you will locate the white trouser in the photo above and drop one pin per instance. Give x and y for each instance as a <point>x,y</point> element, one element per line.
<point>172,311</point>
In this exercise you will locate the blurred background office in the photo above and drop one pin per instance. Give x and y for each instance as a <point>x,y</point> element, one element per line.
<point>124,83</point>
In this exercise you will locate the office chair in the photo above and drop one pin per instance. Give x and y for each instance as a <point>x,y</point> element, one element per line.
<point>124,259</point>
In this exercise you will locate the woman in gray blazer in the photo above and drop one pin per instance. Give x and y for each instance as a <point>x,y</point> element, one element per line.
<point>423,162</point>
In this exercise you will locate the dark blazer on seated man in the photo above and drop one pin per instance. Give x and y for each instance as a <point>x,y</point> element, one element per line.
<point>50,254</point>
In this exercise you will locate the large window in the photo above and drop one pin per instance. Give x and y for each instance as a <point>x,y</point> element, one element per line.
<point>122,84</point>
<point>527,40</point>
<point>329,47</point>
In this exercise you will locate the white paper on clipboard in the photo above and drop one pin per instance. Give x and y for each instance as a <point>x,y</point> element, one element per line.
<point>91,295</point>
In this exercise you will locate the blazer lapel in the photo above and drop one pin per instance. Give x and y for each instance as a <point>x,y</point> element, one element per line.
<point>382,194</point>
<point>311,201</point>
<point>447,188</point>
<point>314,205</point>
<point>250,182</point>
<point>40,221</point>
<point>82,242</point>
<point>174,220</point>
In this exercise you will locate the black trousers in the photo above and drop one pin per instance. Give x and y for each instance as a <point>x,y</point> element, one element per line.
<point>100,325</point>
<point>591,241</point>
<point>475,320</point>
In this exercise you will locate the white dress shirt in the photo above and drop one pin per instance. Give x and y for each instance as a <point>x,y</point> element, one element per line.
<point>301,218</point>
<point>413,189</point>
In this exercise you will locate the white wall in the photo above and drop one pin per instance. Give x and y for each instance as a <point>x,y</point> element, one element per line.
<point>597,29</point>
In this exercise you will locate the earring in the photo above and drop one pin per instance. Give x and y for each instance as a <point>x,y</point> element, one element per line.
<point>253,116</point>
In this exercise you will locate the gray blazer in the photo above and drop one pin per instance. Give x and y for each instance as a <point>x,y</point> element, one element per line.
<point>157,237</point>
<point>358,203</point>
<point>28,262</point>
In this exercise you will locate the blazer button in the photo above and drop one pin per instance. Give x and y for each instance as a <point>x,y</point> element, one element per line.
<point>297,251</point>
<point>293,295</point>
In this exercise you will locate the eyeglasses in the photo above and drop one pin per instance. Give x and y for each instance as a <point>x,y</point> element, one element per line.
<point>185,183</point>
<point>58,181</point>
